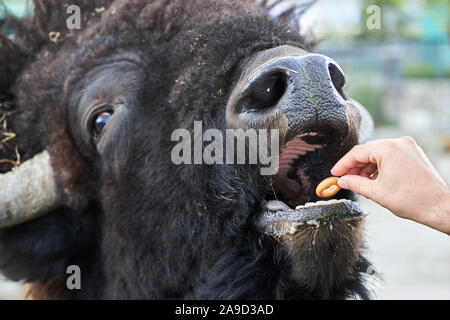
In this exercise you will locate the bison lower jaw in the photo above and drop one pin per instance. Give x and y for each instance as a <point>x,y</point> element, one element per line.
<point>321,240</point>
<point>325,256</point>
<point>276,219</point>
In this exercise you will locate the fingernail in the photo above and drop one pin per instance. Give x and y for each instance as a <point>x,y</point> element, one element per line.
<point>343,183</point>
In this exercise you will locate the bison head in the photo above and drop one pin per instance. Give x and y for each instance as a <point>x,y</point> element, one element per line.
<point>94,111</point>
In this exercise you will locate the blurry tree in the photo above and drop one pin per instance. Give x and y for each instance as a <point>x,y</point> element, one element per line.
<point>393,19</point>
<point>407,19</point>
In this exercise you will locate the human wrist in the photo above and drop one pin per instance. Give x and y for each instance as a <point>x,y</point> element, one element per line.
<point>439,217</point>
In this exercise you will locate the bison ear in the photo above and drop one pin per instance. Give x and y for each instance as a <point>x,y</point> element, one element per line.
<point>12,60</point>
<point>285,9</point>
<point>365,127</point>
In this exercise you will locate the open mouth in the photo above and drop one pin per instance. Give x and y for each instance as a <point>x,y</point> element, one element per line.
<point>292,203</point>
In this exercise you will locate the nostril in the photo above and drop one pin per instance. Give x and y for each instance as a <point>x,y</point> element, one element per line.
<point>337,77</point>
<point>263,93</point>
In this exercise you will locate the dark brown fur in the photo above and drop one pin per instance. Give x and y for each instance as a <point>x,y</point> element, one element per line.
<point>191,237</point>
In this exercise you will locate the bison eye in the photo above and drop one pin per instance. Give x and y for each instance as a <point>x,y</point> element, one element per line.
<point>99,123</point>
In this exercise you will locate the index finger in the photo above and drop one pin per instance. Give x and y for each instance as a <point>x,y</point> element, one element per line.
<point>358,156</point>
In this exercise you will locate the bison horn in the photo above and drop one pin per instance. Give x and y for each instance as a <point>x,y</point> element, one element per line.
<point>28,192</point>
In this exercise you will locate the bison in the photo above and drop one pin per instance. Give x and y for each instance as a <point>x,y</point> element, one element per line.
<point>87,176</point>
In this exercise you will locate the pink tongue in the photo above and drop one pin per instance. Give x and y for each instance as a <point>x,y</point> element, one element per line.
<point>291,189</point>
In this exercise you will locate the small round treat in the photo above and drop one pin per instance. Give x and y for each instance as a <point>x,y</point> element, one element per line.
<point>328,187</point>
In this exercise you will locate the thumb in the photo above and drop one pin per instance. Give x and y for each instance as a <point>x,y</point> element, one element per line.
<point>358,184</point>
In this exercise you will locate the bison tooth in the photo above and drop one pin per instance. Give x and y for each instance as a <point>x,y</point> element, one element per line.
<point>321,202</point>
<point>312,222</point>
<point>276,205</point>
<point>309,204</point>
<point>332,201</point>
<point>292,229</point>
<point>370,270</point>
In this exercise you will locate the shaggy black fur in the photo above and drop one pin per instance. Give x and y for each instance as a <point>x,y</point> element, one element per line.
<point>136,224</point>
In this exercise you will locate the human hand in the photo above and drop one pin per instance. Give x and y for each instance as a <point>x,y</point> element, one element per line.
<point>396,174</point>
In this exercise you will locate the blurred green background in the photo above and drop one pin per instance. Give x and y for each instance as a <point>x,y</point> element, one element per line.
<point>400,72</point>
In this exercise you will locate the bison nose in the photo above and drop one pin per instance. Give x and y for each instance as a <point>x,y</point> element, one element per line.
<point>267,86</point>
<point>337,76</point>
<point>306,89</point>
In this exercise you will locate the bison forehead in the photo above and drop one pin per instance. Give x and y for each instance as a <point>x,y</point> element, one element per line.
<point>165,17</point>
